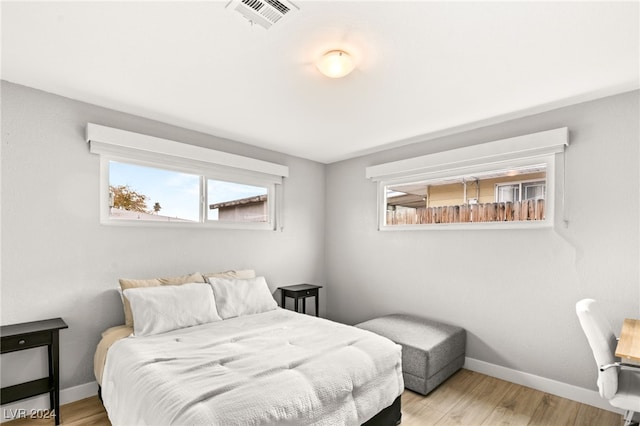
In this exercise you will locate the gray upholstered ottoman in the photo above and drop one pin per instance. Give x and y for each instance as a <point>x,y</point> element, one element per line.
<point>431,351</point>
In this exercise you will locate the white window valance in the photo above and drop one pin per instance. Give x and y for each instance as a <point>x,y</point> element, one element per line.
<point>527,146</point>
<point>117,142</point>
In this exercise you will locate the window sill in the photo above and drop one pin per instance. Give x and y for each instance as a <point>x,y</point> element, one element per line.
<point>469,226</point>
<point>192,225</point>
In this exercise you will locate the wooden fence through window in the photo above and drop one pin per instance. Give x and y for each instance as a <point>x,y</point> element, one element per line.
<point>527,210</point>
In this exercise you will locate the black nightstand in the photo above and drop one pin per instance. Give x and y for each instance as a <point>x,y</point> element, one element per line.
<point>300,291</point>
<point>29,335</point>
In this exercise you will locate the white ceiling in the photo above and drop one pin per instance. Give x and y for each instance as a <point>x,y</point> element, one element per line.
<point>424,68</point>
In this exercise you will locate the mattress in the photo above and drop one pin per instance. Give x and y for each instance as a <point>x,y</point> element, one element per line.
<point>277,367</point>
<point>109,337</point>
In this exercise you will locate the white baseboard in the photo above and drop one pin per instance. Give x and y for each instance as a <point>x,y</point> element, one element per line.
<point>39,405</point>
<point>564,390</point>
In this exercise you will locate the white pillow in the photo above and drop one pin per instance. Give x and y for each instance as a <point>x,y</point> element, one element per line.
<point>235,297</point>
<point>169,307</point>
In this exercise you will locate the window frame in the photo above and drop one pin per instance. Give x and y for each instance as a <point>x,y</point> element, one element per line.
<point>105,183</point>
<point>520,184</point>
<point>203,177</point>
<point>536,149</point>
<point>132,148</point>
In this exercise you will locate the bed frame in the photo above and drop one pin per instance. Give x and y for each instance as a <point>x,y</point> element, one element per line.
<point>390,416</point>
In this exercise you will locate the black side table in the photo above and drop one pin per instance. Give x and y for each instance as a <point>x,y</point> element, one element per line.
<point>300,291</point>
<point>29,335</point>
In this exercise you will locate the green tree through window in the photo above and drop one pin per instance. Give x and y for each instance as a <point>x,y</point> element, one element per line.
<point>126,198</point>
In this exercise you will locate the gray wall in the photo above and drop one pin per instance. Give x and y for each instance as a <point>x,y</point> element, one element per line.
<point>513,290</point>
<point>57,260</point>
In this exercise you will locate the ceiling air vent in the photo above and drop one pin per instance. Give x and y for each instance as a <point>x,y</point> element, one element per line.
<point>262,12</point>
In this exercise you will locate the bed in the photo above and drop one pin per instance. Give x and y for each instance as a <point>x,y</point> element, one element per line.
<point>252,363</point>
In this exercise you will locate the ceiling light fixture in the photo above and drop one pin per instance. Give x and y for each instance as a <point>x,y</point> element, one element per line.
<point>335,64</point>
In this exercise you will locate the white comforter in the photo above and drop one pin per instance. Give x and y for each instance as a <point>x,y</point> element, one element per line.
<point>278,367</point>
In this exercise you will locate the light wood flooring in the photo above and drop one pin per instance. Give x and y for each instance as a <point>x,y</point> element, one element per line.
<point>467,398</point>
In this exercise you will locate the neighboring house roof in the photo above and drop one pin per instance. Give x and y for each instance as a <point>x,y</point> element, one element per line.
<point>240,202</point>
<point>116,213</point>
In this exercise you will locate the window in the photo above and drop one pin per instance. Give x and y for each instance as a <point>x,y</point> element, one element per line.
<point>498,184</point>
<point>519,191</point>
<point>150,181</point>
<point>145,193</point>
<point>152,194</point>
<point>478,197</point>
<point>237,202</point>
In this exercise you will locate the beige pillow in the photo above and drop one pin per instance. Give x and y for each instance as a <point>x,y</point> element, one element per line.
<point>153,282</point>
<point>243,274</point>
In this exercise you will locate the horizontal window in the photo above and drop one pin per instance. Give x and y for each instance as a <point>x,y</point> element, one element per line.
<point>480,197</point>
<point>508,183</point>
<point>153,194</point>
<point>151,181</point>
